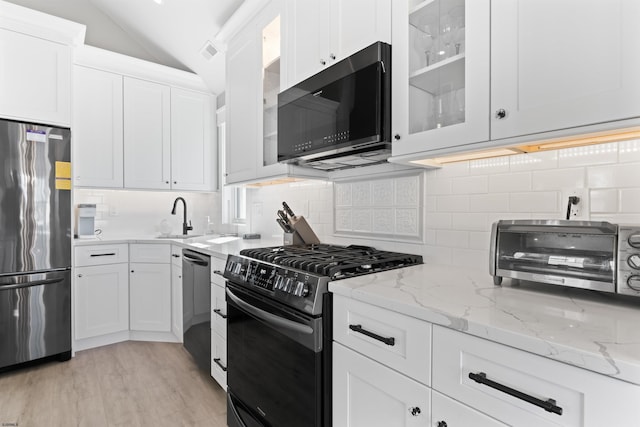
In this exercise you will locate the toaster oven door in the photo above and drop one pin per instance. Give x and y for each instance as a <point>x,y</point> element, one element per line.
<point>583,259</point>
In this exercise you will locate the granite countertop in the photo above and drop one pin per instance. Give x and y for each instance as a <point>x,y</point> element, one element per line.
<point>215,245</point>
<point>592,330</point>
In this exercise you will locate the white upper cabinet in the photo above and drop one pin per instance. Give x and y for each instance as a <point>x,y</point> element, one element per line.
<point>440,60</point>
<point>147,134</point>
<point>558,65</point>
<point>35,79</point>
<point>242,100</point>
<point>324,32</point>
<point>97,128</point>
<point>192,151</point>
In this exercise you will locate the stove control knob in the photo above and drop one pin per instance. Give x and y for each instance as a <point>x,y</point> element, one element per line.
<point>288,284</point>
<point>302,289</point>
<point>634,261</point>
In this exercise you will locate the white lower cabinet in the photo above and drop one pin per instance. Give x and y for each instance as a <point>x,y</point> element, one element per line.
<point>101,300</point>
<point>176,301</point>
<point>369,394</point>
<point>218,323</point>
<point>150,297</point>
<point>446,412</point>
<point>576,397</point>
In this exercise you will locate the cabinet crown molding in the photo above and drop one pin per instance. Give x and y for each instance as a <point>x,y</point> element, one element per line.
<point>28,21</point>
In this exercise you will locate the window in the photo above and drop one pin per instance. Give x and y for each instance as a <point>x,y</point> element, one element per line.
<point>233,199</point>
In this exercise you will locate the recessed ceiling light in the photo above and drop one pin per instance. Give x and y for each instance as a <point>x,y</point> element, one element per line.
<point>158,1</point>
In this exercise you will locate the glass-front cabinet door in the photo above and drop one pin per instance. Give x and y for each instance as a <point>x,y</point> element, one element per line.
<point>440,75</point>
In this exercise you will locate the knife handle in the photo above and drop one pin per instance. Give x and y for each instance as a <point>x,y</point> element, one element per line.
<point>288,210</point>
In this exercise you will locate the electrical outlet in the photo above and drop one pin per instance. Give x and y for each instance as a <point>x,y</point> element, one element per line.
<point>580,210</point>
<point>113,210</point>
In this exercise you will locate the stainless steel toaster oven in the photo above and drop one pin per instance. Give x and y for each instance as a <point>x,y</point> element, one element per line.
<point>581,254</point>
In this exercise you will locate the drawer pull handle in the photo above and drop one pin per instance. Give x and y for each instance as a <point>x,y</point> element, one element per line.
<point>219,313</point>
<point>358,328</point>
<point>217,360</point>
<point>548,405</point>
<point>107,254</point>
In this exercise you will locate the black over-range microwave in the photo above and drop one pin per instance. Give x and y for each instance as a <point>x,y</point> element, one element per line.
<point>341,117</point>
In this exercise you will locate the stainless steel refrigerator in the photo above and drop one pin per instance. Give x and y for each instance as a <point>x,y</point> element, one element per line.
<point>35,243</point>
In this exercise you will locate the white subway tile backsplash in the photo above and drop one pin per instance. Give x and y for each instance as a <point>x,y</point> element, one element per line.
<point>604,201</point>
<point>439,185</point>
<point>480,240</point>
<point>469,221</point>
<point>557,179</point>
<point>470,185</point>
<point>430,237</point>
<point>630,200</point>
<point>618,218</point>
<point>451,169</point>
<point>459,203</point>
<point>620,175</point>
<point>629,151</point>
<point>588,155</point>
<point>505,183</point>
<point>438,220</point>
<point>471,258</point>
<point>534,161</point>
<point>489,202</point>
<point>430,203</point>
<point>452,238</point>
<point>361,193</point>
<point>542,201</point>
<point>437,255</point>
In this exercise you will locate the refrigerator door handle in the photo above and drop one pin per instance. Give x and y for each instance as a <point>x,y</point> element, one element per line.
<point>29,284</point>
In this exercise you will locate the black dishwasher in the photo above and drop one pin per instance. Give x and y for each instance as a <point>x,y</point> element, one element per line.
<point>196,306</point>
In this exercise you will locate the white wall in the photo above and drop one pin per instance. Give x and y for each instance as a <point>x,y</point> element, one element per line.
<point>463,199</point>
<point>139,213</point>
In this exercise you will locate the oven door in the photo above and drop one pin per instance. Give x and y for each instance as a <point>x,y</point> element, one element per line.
<point>274,356</point>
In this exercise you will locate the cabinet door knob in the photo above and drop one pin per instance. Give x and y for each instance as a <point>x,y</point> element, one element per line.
<point>442,424</point>
<point>415,411</point>
<point>396,137</point>
<point>175,182</point>
<point>332,56</point>
<point>132,271</point>
<point>323,62</point>
<point>166,182</point>
<point>79,275</point>
<point>501,113</point>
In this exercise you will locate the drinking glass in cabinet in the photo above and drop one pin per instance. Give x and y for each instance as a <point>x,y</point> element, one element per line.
<point>436,64</point>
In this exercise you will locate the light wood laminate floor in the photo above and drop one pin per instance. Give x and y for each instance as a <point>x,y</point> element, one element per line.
<point>126,384</point>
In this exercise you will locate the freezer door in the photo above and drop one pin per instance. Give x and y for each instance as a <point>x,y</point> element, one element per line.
<point>35,198</point>
<point>35,317</point>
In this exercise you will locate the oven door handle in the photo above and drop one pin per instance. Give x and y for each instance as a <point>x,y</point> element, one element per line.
<point>268,317</point>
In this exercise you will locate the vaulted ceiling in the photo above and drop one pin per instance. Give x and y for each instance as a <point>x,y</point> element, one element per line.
<point>168,32</point>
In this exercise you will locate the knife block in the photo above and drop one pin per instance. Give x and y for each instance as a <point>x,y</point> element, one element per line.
<point>302,234</point>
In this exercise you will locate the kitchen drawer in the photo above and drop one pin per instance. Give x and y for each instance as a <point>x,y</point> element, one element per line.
<point>369,394</point>
<point>101,254</point>
<point>446,412</point>
<point>150,253</point>
<point>586,398</point>
<point>219,359</point>
<point>217,269</point>
<point>176,255</point>
<point>411,348</point>
<point>218,310</point>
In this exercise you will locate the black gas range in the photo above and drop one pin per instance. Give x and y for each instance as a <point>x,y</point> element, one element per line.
<point>297,276</point>
<point>279,329</point>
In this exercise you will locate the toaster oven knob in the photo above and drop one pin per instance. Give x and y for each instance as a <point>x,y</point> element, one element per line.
<point>634,282</point>
<point>634,240</point>
<point>634,261</point>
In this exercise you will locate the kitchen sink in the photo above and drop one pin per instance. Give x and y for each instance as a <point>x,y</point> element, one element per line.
<point>178,236</point>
